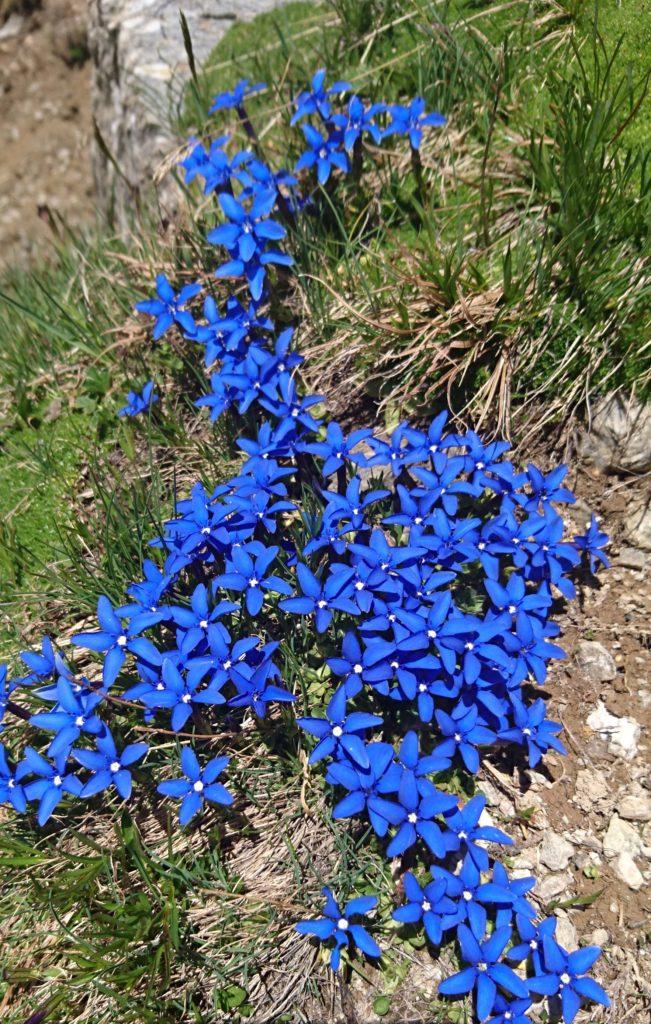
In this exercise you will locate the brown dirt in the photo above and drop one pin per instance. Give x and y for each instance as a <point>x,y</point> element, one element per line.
<point>45,127</point>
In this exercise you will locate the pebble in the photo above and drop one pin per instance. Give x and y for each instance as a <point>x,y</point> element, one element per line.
<point>621,837</point>
<point>553,885</point>
<point>627,871</point>
<point>565,931</point>
<point>635,808</point>
<point>632,558</point>
<point>595,662</point>
<point>599,937</point>
<point>621,734</point>
<point>555,852</point>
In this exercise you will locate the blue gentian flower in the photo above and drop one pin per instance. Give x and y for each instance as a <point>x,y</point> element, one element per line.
<point>246,571</point>
<point>338,925</point>
<point>235,99</point>
<point>51,785</point>
<point>565,976</point>
<point>139,402</point>
<point>365,786</point>
<point>320,599</point>
<point>533,730</point>
<point>359,120</point>
<point>108,767</point>
<point>340,732</point>
<point>169,308</point>
<point>12,790</point>
<point>114,640</point>
<point>463,831</point>
<point>197,785</point>
<point>316,100</point>
<point>428,904</point>
<point>410,120</point>
<point>591,544</point>
<point>323,153</point>
<point>73,715</point>
<point>485,972</point>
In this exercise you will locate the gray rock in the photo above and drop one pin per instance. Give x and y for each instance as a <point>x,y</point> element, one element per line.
<point>139,70</point>
<point>635,808</point>
<point>565,931</point>
<point>599,937</point>
<point>553,885</point>
<point>621,837</point>
<point>596,663</point>
<point>589,789</point>
<point>13,26</point>
<point>619,435</point>
<point>621,734</point>
<point>637,523</point>
<point>555,852</point>
<point>627,871</point>
<point>631,558</point>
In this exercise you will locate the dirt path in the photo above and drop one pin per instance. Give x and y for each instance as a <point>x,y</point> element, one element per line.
<point>44,126</point>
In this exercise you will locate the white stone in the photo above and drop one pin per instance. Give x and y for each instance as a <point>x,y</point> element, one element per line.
<point>637,523</point>
<point>621,734</point>
<point>555,852</point>
<point>589,789</point>
<point>140,68</point>
<point>627,871</point>
<point>553,885</point>
<point>565,931</point>
<point>619,435</point>
<point>635,808</point>
<point>599,937</point>
<point>596,663</point>
<point>621,837</point>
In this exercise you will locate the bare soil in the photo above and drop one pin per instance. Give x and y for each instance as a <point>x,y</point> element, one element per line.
<point>45,127</point>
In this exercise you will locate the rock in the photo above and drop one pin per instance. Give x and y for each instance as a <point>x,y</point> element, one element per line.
<point>619,435</point>
<point>565,931</point>
<point>637,523</point>
<point>621,837</point>
<point>555,852</point>
<point>596,663</point>
<point>551,886</point>
<point>635,808</point>
<point>140,67</point>
<point>13,26</point>
<point>589,789</point>
<point>627,871</point>
<point>599,937</point>
<point>631,558</point>
<point>621,734</point>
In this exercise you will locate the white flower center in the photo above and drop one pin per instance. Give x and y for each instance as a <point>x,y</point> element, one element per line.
<point>253,582</point>
<point>412,818</point>
<point>482,966</point>
<point>467,895</point>
<point>470,646</point>
<point>526,732</point>
<point>357,668</point>
<point>121,641</point>
<point>227,664</point>
<point>57,780</point>
<point>422,688</point>
<point>512,609</point>
<point>432,634</point>
<point>426,905</point>
<point>359,585</point>
<point>565,979</point>
<point>322,604</point>
<point>186,698</point>
<point>79,721</point>
<point>342,923</point>
<point>463,835</point>
<point>198,786</point>
<point>457,737</point>
<point>204,623</point>
<point>533,944</point>
<point>114,766</point>
<point>337,731</point>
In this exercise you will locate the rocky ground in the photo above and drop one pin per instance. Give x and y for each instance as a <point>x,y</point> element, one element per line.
<point>45,125</point>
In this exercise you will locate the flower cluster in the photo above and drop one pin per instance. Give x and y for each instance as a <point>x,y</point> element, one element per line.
<point>427,563</point>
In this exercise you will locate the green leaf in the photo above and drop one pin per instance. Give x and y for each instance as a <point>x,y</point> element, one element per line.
<point>381,1006</point>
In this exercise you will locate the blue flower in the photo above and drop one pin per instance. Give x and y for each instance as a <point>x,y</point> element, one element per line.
<point>11,789</point>
<point>323,153</point>
<point>169,308</point>
<point>73,715</point>
<point>485,972</point>
<point>464,733</point>
<point>429,904</point>
<point>463,831</point>
<point>365,786</point>
<point>418,815</point>
<point>246,571</point>
<point>320,599</point>
<point>137,403</point>
<point>564,975</point>
<point>339,926</point>
<point>410,120</point>
<point>197,785</point>
<point>336,449</point>
<point>533,730</point>
<point>235,99</point>
<point>591,544</point>
<point>52,784</point>
<point>317,99</point>
<point>114,640</point>
<point>359,120</point>
<point>340,733</point>
<point>108,767</point>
